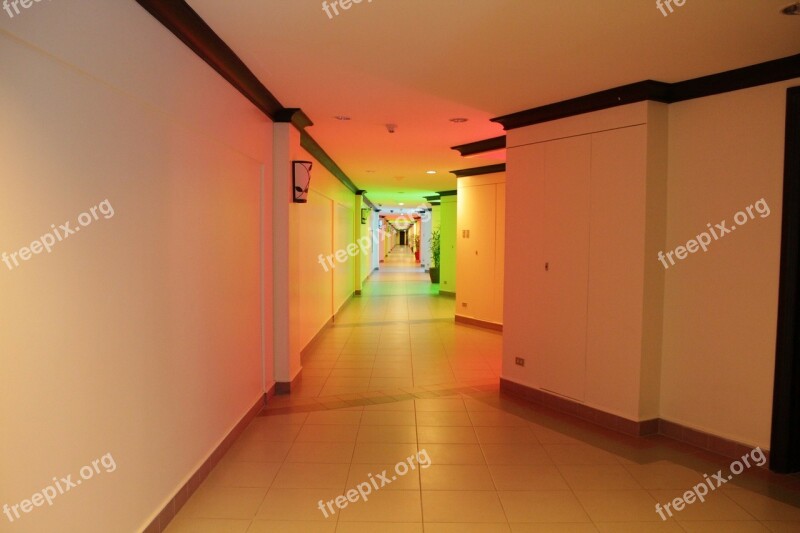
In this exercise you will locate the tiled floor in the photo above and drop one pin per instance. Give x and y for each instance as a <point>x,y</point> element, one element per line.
<point>395,376</point>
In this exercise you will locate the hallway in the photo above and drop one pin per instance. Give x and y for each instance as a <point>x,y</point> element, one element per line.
<point>394,376</point>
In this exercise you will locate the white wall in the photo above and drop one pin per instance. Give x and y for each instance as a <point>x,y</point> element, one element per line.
<point>725,153</point>
<point>322,226</point>
<point>140,336</point>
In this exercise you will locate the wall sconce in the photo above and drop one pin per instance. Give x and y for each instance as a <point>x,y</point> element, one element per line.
<point>365,211</point>
<point>301,180</point>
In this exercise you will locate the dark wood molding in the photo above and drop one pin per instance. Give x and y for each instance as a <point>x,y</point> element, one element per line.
<point>432,198</point>
<point>179,18</point>
<point>285,387</point>
<point>479,323</point>
<point>165,516</point>
<point>448,193</point>
<point>308,142</point>
<point>190,28</point>
<point>480,147</point>
<point>654,426</point>
<point>370,204</point>
<point>786,68</point>
<point>785,441</point>
<point>479,171</point>
<point>627,94</point>
<point>774,71</point>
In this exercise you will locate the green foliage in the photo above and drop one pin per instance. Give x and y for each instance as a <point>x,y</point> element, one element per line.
<point>436,247</point>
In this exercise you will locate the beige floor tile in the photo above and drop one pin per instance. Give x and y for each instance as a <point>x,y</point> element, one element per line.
<point>579,454</point>
<point>337,417</point>
<point>505,435</point>
<point>717,506</point>
<point>619,505</point>
<point>388,418</point>
<point>664,475</point>
<point>280,419</point>
<point>515,454</point>
<point>327,433</point>
<point>639,527</point>
<point>258,452</point>
<point>380,452</point>
<point>455,454</point>
<point>446,435</point>
<point>266,526</point>
<point>229,473</point>
<point>403,405</point>
<point>547,435</point>
<point>782,526</point>
<point>462,506</point>
<point>492,418</point>
<point>542,506</point>
<point>387,434</point>
<point>321,452</point>
<point>207,525</point>
<point>295,505</point>
<point>440,405</point>
<point>553,528</point>
<point>727,527</point>
<point>383,476</point>
<point>456,477</point>
<point>311,476</point>
<point>598,477</point>
<point>765,508</point>
<point>385,506</point>
<point>382,527</point>
<point>443,419</point>
<point>223,502</point>
<point>270,433</point>
<point>467,528</point>
<point>522,477</point>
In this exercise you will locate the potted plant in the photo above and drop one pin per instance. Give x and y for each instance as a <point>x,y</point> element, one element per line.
<point>416,247</point>
<point>436,253</point>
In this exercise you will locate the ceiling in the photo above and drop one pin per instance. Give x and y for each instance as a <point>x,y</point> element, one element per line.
<point>419,63</point>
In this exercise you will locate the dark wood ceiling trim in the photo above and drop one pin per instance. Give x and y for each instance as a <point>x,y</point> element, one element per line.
<point>627,94</point>
<point>773,71</point>
<point>479,171</point>
<point>179,18</point>
<point>313,148</point>
<point>432,198</point>
<point>448,193</point>
<point>479,147</point>
<point>190,28</point>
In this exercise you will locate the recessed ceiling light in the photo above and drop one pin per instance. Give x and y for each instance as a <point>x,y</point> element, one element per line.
<point>401,203</point>
<point>458,120</point>
<point>793,9</point>
<point>342,117</point>
<point>431,172</point>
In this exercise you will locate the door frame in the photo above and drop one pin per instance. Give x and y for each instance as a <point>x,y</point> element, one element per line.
<point>785,440</point>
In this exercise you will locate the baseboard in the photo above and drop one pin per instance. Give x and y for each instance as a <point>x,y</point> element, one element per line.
<point>579,410</point>
<point>165,516</point>
<point>285,387</point>
<point>706,441</point>
<point>479,323</point>
<point>656,426</point>
<point>358,292</point>
<point>447,294</point>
